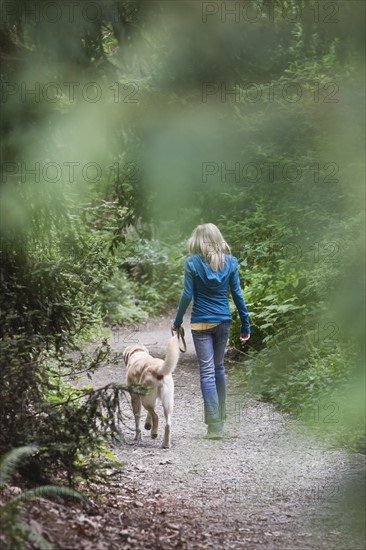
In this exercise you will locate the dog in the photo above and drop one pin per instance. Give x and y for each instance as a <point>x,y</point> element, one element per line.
<point>156,375</point>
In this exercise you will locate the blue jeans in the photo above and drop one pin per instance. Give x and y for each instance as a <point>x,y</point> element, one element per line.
<point>210,347</point>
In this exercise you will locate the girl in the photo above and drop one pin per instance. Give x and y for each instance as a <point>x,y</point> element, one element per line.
<point>208,273</point>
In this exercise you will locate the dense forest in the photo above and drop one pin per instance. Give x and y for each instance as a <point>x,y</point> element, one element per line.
<point>124,125</point>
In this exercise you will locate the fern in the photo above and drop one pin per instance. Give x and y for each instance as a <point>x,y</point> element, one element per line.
<point>11,460</point>
<point>15,531</point>
<point>34,537</point>
<point>45,490</point>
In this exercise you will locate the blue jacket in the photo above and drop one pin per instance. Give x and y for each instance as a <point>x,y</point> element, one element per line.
<point>209,290</point>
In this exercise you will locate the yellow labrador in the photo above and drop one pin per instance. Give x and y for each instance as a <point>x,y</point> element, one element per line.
<point>156,375</point>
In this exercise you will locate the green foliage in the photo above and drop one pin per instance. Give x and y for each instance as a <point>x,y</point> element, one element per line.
<point>313,385</point>
<point>75,253</point>
<point>156,269</point>
<point>118,301</point>
<point>302,356</point>
<point>49,303</point>
<point>74,426</point>
<point>148,279</point>
<point>15,532</point>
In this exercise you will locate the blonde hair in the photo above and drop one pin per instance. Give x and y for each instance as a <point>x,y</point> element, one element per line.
<point>208,241</point>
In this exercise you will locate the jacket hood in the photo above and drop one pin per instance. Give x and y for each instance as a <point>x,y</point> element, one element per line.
<point>207,275</point>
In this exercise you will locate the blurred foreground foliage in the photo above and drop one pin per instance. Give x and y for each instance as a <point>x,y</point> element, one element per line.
<point>85,250</point>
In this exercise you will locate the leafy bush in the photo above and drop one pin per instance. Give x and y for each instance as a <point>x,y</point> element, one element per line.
<point>301,356</point>
<point>313,385</point>
<point>118,301</point>
<point>48,304</point>
<point>149,279</point>
<point>73,427</point>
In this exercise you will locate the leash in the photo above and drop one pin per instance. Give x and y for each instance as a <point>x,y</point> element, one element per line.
<point>180,334</point>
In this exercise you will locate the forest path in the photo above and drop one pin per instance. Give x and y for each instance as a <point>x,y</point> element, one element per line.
<point>267,484</point>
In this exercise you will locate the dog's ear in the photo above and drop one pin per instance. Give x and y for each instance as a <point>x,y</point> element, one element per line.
<point>131,349</point>
<point>126,355</point>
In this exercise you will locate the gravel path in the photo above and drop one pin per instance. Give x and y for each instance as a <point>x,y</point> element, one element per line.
<point>267,484</point>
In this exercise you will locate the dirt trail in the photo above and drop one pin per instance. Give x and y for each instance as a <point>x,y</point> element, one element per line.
<point>267,484</point>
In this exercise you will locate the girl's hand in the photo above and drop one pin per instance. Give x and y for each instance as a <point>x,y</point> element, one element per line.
<point>244,337</point>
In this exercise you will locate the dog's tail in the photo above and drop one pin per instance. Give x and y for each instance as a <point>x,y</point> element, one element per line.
<point>171,358</point>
